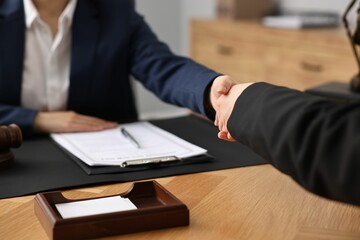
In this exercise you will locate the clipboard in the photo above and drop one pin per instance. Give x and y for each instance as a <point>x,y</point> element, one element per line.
<point>110,151</point>
<point>141,165</point>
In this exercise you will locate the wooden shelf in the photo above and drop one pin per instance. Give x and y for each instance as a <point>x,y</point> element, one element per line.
<point>249,52</point>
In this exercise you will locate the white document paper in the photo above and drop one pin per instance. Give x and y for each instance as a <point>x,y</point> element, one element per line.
<point>111,147</point>
<point>94,207</point>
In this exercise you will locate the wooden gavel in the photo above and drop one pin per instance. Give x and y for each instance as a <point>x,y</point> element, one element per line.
<point>10,137</point>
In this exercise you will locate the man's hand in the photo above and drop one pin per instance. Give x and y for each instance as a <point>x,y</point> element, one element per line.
<point>69,121</point>
<point>220,86</point>
<point>225,107</point>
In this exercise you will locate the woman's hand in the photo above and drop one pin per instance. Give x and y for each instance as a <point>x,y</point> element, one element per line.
<point>69,121</point>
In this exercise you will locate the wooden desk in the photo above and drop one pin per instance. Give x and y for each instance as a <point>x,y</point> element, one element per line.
<point>243,203</point>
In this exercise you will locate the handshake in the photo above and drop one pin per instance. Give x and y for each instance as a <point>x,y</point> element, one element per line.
<point>223,95</point>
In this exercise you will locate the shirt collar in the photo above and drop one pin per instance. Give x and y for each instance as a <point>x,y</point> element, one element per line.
<point>31,12</point>
<point>68,12</point>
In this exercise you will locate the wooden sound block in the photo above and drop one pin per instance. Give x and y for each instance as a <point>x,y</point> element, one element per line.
<point>156,208</point>
<point>10,137</point>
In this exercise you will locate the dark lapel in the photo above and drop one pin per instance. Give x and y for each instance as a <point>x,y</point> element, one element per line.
<point>85,31</point>
<point>12,38</point>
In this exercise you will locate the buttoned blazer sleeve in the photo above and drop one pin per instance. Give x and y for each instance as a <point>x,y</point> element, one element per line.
<point>313,140</point>
<point>174,79</point>
<point>23,117</point>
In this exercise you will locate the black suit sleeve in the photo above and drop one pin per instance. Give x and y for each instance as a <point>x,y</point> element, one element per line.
<point>315,141</point>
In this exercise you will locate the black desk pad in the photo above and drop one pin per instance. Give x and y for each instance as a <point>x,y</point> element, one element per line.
<point>40,165</point>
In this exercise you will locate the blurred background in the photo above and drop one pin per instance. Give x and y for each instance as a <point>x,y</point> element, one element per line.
<point>170,20</point>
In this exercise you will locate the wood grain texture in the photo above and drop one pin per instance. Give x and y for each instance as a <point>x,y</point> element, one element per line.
<point>250,52</point>
<point>244,203</point>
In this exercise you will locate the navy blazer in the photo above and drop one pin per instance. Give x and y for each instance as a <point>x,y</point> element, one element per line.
<point>110,42</point>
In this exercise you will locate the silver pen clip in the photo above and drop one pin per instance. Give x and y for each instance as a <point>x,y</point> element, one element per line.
<point>135,163</point>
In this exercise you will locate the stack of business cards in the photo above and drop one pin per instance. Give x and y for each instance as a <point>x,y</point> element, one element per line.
<point>94,207</point>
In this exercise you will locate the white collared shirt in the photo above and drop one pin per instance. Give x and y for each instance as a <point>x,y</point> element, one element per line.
<point>46,71</point>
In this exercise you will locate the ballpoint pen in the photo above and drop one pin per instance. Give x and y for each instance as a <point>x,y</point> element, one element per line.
<point>130,137</point>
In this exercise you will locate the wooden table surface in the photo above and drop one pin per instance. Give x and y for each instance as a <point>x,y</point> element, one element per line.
<point>255,202</point>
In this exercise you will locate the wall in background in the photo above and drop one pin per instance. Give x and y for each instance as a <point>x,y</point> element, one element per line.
<point>315,5</point>
<point>193,9</point>
<point>164,17</point>
<point>335,6</point>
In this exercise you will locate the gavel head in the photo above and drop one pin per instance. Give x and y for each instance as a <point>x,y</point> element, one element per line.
<point>10,137</point>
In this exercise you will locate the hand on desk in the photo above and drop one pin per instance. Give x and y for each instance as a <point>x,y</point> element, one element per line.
<point>69,121</point>
<point>225,107</point>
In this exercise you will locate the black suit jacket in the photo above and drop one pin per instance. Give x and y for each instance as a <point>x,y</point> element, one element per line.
<point>315,141</point>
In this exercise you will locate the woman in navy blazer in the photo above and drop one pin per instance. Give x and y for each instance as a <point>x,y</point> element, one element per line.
<point>110,42</point>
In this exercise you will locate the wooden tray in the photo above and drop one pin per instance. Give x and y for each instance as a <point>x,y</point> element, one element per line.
<point>157,208</point>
